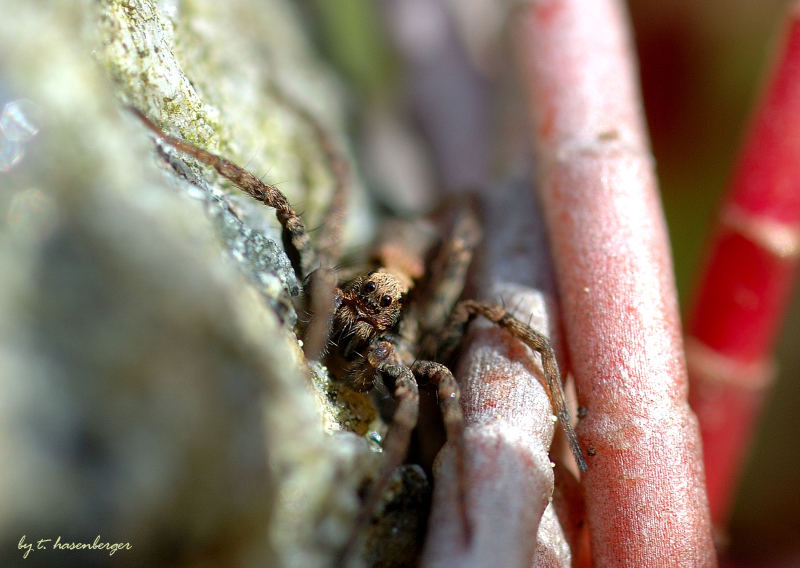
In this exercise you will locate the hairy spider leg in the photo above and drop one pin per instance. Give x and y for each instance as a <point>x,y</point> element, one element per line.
<point>424,319</point>
<point>329,240</point>
<point>448,273</point>
<point>307,264</point>
<point>454,333</point>
<point>383,358</point>
<point>449,395</point>
<point>293,227</point>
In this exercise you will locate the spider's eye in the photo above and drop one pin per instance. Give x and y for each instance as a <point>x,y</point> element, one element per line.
<point>369,287</point>
<point>386,301</point>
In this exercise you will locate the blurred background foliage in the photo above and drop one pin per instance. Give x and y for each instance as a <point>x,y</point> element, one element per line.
<point>701,67</point>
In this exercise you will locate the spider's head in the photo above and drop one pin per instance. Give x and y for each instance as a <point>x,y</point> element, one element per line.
<point>371,305</point>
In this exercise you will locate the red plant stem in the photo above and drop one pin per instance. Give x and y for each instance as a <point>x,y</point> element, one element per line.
<point>645,496</point>
<point>745,285</point>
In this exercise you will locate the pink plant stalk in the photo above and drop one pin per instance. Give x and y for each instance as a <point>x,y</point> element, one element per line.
<point>746,282</point>
<point>645,495</point>
<point>508,416</point>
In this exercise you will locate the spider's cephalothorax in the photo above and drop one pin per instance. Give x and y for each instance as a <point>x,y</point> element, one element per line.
<point>366,309</point>
<point>368,306</point>
<point>367,342</point>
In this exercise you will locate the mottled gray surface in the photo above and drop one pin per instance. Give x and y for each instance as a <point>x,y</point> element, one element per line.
<point>152,389</point>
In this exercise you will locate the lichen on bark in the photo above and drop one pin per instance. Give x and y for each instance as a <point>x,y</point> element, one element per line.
<point>156,392</point>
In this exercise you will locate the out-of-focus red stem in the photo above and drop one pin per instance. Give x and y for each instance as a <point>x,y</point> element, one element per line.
<point>746,283</point>
<point>645,497</point>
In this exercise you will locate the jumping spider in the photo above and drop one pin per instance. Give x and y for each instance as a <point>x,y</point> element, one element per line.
<point>377,331</point>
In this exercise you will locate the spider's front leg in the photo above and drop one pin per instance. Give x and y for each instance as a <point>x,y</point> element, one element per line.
<point>311,268</point>
<point>449,396</point>
<point>381,357</point>
<point>469,309</point>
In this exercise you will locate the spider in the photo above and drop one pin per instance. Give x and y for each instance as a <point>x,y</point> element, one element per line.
<point>378,330</point>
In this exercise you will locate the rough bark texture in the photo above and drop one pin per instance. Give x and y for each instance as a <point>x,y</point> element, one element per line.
<point>154,392</point>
